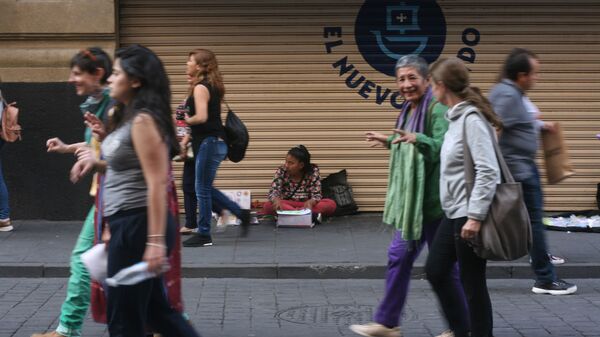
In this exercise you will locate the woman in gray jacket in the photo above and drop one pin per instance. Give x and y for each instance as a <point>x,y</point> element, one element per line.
<point>463,215</point>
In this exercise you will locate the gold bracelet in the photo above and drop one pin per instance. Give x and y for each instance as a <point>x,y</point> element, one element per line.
<point>155,245</point>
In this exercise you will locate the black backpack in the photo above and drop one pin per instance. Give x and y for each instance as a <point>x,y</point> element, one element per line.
<point>336,187</point>
<point>237,136</point>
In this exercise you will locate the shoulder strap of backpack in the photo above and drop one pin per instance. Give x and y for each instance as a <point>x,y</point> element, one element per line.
<point>227,105</point>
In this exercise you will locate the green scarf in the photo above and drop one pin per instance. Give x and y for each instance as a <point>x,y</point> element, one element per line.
<point>98,107</point>
<point>405,193</point>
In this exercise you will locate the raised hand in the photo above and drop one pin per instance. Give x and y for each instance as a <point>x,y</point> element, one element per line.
<point>96,125</point>
<point>405,137</point>
<point>376,138</point>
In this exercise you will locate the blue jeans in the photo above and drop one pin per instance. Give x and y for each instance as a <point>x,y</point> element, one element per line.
<point>211,153</point>
<point>4,208</point>
<point>534,200</point>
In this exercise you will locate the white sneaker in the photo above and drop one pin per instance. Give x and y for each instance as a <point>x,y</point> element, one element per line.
<point>5,225</point>
<point>375,330</point>
<point>447,333</point>
<point>556,259</point>
<point>558,287</point>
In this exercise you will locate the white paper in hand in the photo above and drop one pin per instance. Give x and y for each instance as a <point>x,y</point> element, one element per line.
<point>96,262</point>
<point>132,275</point>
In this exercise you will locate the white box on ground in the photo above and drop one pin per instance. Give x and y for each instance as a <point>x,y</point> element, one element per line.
<point>241,197</point>
<point>298,218</point>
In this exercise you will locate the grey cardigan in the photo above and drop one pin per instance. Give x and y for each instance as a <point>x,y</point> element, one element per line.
<point>453,194</point>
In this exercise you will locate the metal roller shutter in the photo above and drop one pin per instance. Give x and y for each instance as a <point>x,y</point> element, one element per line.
<point>281,81</point>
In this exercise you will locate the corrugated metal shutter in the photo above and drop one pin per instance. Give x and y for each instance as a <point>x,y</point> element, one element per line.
<point>281,81</point>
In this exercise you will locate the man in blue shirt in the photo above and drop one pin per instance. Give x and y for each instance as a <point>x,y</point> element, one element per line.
<point>519,144</point>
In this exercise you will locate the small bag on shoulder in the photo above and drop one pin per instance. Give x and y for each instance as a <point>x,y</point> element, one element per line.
<point>505,234</point>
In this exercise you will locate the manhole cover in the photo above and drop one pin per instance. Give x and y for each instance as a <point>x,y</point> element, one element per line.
<point>332,314</point>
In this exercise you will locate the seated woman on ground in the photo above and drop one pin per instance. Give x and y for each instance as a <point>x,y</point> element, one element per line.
<point>297,185</point>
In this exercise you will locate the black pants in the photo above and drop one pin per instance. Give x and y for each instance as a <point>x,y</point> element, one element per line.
<point>132,308</point>
<point>190,201</point>
<point>447,248</point>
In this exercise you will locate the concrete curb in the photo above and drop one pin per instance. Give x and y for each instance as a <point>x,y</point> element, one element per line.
<point>495,270</point>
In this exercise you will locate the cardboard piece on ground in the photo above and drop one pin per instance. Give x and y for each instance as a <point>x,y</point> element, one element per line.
<point>558,165</point>
<point>297,218</point>
<point>241,197</point>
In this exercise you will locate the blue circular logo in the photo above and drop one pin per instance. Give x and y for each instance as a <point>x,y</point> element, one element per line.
<point>386,30</point>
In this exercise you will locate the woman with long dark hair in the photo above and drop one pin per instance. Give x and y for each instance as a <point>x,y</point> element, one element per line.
<point>138,151</point>
<point>470,115</point>
<point>206,94</point>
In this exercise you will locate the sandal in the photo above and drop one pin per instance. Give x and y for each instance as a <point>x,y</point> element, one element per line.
<point>186,231</point>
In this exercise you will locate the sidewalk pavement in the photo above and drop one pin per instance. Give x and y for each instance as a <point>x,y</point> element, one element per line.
<point>343,247</point>
<point>316,308</point>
